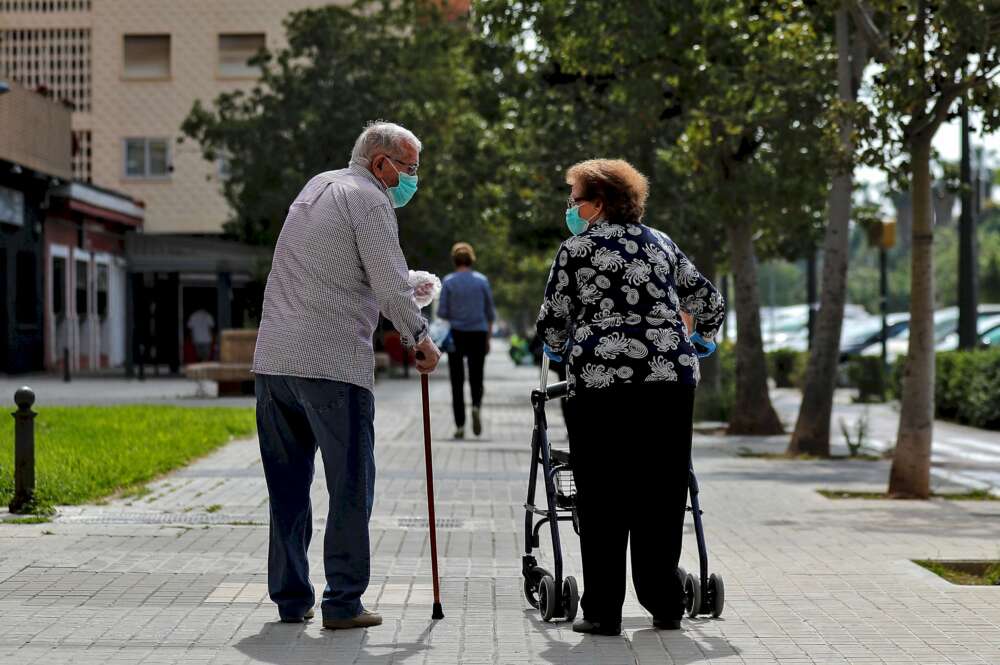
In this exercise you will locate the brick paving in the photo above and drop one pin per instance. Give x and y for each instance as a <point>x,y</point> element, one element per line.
<point>177,576</point>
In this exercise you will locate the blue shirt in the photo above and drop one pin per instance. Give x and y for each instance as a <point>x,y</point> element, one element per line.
<point>467,301</point>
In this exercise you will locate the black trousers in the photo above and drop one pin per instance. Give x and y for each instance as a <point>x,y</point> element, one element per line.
<point>630,448</point>
<point>469,345</point>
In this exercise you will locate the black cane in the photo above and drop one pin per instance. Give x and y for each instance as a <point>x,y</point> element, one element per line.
<point>437,612</point>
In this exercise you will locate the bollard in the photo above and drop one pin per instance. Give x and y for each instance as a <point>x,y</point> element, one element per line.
<point>66,376</point>
<point>24,451</point>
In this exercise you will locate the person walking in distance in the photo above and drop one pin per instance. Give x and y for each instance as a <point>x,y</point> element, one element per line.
<point>467,304</point>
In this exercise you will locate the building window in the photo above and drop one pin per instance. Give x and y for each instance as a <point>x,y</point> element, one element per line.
<point>147,56</point>
<point>11,206</point>
<point>147,158</point>
<point>224,167</point>
<point>235,52</point>
<point>27,274</point>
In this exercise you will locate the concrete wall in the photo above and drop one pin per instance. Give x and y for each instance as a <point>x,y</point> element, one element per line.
<point>36,132</point>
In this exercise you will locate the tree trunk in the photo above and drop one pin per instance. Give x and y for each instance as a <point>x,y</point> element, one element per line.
<point>812,428</point>
<point>911,462</point>
<point>752,410</point>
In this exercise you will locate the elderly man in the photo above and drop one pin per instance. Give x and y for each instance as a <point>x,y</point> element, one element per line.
<point>336,264</point>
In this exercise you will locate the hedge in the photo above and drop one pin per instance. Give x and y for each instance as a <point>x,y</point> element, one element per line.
<point>966,386</point>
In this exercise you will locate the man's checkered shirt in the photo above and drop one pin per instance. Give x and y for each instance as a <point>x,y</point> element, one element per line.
<point>336,264</point>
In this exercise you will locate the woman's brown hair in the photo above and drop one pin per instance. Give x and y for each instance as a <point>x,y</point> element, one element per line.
<point>616,183</point>
<point>462,254</point>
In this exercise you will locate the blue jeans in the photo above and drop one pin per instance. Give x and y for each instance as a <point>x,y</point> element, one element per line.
<point>295,416</point>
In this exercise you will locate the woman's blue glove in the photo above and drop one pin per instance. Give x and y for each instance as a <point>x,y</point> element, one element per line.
<point>553,356</point>
<point>702,347</point>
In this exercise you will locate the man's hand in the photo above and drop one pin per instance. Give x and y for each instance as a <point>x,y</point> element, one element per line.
<point>428,355</point>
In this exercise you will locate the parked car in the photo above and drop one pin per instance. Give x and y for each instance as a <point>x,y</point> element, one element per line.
<point>945,323</point>
<point>868,334</point>
<point>987,324</point>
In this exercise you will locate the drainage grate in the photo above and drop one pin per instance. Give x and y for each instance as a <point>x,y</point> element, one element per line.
<point>423,523</point>
<point>136,517</point>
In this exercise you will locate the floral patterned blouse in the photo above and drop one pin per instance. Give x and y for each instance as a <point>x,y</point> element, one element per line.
<point>612,308</point>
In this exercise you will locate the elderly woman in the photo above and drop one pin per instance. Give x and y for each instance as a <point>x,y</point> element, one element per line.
<point>613,308</point>
<point>467,304</point>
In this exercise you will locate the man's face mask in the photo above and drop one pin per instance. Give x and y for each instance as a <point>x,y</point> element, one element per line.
<point>401,193</point>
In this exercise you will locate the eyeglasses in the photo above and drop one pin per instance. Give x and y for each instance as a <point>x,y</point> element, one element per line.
<point>408,168</point>
<point>572,201</point>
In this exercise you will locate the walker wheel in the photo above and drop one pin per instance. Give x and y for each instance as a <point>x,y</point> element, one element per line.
<point>547,598</point>
<point>531,583</point>
<point>682,576</point>
<point>692,592</point>
<point>717,594</point>
<point>570,597</point>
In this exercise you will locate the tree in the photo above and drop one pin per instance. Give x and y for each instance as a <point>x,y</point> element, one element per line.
<point>720,103</point>
<point>932,56</point>
<point>754,85</point>
<point>344,66</point>
<point>812,427</point>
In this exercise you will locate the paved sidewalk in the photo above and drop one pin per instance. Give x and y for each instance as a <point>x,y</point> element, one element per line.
<point>178,576</point>
<point>959,454</point>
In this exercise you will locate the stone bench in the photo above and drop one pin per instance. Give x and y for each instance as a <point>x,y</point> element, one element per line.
<point>232,371</point>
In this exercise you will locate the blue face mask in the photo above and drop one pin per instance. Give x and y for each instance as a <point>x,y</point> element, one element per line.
<point>402,193</point>
<point>575,223</point>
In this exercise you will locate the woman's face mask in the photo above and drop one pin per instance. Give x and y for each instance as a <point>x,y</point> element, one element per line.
<point>577,224</point>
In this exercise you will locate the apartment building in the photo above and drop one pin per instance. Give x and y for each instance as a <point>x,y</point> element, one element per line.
<point>131,70</point>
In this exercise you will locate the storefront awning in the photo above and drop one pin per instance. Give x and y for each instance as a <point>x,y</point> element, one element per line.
<point>148,252</point>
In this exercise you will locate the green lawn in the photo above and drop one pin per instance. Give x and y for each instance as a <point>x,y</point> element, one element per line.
<point>87,452</point>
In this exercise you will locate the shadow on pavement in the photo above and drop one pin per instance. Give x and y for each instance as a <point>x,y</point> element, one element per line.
<point>646,645</point>
<point>290,644</point>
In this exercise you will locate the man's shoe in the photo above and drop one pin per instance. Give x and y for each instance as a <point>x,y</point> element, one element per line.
<point>459,433</point>
<point>364,620</point>
<point>477,423</point>
<point>310,613</point>
<point>667,624</point>
<point>596,628</point>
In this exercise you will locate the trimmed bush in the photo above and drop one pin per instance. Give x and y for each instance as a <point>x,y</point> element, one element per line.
<point>867,375</point>
<point>787,367</point>
<point>966,386</point>
<point>710,404</point>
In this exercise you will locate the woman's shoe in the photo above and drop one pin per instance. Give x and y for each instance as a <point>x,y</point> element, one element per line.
<point>596,627</point>
<point>477,423</point>
<point>459,433</point>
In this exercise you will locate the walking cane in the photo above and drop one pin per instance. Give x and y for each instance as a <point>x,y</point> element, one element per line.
<point>437,612</point>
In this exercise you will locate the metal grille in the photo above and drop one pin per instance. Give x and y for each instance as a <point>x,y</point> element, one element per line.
<point>53,61</point>
<point>82,156</point>
<point>422,523</point>
<point>564,484</point>
<point>44,6</point>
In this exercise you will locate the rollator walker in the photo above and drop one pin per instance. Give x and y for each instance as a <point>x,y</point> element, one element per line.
<point>554,595</point>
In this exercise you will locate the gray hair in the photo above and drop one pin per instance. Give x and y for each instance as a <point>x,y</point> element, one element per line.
<point>382,137</point>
